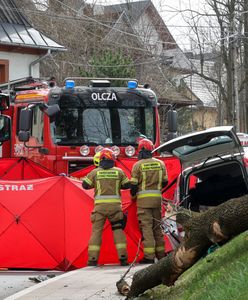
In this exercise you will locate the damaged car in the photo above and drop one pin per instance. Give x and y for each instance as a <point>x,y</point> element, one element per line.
<point>213,169</point>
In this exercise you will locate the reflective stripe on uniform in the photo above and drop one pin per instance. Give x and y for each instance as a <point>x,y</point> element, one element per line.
<point>94,247</point>
<point>87,180</point>
<point>98,188</point>
<point>149,250</point>
<point>108,199</point>
<point>148,193</point>
<point>125,181</point>
<point>143,186</point>
<point>160,177</point>
<point>134,180</point>
<point>160,248</point>
<point>117,187</point>
<point>120,246</point>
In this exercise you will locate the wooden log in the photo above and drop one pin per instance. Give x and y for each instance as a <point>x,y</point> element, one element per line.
<point>123,287</point>
<point>218,224</point>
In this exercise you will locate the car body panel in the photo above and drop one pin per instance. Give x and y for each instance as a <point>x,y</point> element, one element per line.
<point>212,167</point>
<point>199,147</point>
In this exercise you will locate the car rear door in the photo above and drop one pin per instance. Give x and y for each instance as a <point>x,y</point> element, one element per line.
<point>197,147</point>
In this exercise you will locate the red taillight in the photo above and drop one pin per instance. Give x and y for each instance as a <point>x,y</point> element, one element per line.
<point>245,160</point>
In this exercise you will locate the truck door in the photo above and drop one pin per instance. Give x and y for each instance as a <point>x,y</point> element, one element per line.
<point>36,135</point>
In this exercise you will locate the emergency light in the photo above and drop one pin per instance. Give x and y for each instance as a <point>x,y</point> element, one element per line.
<point>132,84</point>
<point>69,84</point>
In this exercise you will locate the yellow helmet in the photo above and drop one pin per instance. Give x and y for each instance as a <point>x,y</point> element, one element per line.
<point>96,158</point>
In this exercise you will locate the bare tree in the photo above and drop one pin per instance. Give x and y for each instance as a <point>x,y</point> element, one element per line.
<point>222,36</point>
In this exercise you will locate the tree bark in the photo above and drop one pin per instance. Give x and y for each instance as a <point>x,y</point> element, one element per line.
<point>218,224</point>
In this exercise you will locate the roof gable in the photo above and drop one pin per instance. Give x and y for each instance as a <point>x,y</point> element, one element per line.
<point>15,30</point>
<point>134,9</point>
<point>10,14</point>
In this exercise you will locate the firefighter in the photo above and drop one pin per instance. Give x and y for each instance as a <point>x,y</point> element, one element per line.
<point>107,182</point>
<point>148,177</point>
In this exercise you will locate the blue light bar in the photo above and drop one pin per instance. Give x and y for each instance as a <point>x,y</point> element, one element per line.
<point>132,84</point>
<point>69,84</point>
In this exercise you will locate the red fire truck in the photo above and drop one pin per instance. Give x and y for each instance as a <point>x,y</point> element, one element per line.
<point>62,128</point>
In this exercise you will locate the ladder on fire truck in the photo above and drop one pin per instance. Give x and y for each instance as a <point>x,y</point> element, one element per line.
<point>22,84</point>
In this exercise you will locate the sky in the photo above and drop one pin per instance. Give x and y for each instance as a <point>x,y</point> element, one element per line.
<point>176,15</point>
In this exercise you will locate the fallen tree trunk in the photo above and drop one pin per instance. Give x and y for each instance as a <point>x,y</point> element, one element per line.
<point>218,224</point>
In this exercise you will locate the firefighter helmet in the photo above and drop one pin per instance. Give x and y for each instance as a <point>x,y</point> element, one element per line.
<point>107,154</point>
<point>145,144</point>
<point>96,158</point>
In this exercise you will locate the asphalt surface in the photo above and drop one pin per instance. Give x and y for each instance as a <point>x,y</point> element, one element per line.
<point>13,281</point>
<point>90,283</point>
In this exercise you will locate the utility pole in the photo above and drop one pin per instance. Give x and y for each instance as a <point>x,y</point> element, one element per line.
<point>246,64</point>
<point>234,75</point>
<point>235,86</point>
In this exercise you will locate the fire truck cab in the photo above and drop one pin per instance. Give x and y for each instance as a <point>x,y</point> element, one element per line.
<point>62,128</point>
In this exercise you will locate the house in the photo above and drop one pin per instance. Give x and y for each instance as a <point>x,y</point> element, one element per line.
<point>164,60</point>
<point>206,114</point>
<point>22,47</point>
<point>141,21</point>
<point>171,71</point>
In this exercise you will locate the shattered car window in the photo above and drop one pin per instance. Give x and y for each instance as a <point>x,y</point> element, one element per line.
<point>198,145</point>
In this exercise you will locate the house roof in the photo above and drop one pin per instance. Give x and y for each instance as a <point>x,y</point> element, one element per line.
<point>133,9</point>
<point>128,13</point>
<point>15,30</point>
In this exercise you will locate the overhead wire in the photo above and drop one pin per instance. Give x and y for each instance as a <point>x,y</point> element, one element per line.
<point>114,28</point>
<point>105,25</point>
<point>75,18</point>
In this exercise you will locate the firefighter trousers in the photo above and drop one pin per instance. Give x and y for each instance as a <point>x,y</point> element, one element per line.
<point>114,214</point>
<point>152,235</point>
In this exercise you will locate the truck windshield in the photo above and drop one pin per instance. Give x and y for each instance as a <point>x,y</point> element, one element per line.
<point>103,126</point>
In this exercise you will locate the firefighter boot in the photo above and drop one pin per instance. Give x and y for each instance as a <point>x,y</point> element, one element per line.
<point>92,262</point>
<point>123,260</point>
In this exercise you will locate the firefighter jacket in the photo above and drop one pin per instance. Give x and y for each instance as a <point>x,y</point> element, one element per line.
<point>107,184</point>
<point>149,175</point>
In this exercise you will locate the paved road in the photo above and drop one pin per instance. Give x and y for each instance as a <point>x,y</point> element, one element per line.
<point>12,282</point>
<point>93,283</point>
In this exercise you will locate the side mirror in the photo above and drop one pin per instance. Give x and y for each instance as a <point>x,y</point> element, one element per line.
<point>4,102</point>
<point>172,121</point>
<point>5,128</point>
<point>25,120</point>
<point>25,124</point>
<point>50,110</point>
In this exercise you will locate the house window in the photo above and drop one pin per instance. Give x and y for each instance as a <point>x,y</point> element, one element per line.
<point>4,70</point>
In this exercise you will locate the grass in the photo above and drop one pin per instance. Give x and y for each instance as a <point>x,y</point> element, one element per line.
<point>221,275</point>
